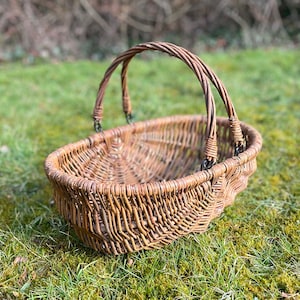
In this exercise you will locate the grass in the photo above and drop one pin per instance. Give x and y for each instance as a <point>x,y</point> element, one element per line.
<point>251,252</point>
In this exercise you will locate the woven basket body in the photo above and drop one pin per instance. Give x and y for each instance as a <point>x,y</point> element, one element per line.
<point>143,185</point>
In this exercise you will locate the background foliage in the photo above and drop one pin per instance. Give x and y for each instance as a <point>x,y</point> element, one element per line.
<point>95,28</point>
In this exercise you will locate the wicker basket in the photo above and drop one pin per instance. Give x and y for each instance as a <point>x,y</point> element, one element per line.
<point>145,184</point>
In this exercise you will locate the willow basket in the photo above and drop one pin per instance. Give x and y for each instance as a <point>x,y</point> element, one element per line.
<point>145,184</point>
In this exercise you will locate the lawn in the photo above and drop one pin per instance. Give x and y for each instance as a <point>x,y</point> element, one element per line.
<point>252,251</point>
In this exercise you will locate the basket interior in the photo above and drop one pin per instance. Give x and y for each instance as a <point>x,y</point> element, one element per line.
<point>145,153</point>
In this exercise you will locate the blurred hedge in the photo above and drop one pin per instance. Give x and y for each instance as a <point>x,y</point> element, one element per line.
<point>96,28</point>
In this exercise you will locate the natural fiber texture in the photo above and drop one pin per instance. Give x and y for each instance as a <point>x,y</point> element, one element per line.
<point>143,185</point>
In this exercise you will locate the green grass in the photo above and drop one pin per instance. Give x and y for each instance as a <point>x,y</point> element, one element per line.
<point>250,252</point>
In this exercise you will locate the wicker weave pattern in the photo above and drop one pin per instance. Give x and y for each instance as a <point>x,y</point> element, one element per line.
<point>140,186</point>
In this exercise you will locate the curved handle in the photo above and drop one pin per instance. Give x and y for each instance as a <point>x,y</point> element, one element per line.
<point>201,71</point>
<point>238,138</point>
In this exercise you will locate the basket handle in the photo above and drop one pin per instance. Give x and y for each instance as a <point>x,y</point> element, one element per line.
<point>238,138</point>
<point>201,71</point>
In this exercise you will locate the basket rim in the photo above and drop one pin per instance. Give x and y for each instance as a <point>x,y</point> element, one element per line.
<point>149,188</point>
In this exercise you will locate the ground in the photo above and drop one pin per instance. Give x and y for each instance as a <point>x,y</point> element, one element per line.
<point>251,252</point>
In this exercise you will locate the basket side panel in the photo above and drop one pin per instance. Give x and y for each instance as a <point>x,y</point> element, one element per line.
<point>152,222</point>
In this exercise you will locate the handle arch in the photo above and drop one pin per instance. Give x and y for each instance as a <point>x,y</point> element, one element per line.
<point>202,72</point>
<point>238,138</point>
